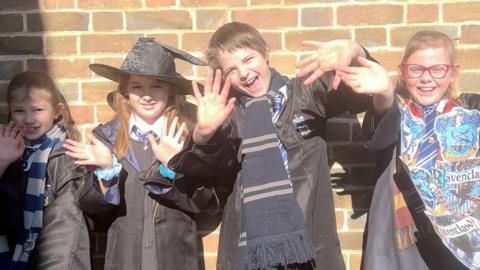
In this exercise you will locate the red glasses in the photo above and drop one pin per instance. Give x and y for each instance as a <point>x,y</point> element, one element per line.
<point>436,71</point>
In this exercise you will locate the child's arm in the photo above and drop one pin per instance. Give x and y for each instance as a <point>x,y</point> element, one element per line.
<point>328,56</point>
<point>11,142</point>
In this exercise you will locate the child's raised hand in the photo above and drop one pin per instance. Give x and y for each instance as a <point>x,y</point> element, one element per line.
<point>329,56</point>
<point>12,144</point>
<point>171,142</point>
<point>370,78</point>
<point>212,106</point>
<point>96,153</point>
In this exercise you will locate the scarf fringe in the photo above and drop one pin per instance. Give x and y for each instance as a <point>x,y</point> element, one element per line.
<point>290,248</point>
<point>405,238</point>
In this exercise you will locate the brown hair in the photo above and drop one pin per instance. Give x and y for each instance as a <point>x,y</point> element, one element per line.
<point>177,106</point>
<point>25,82</point>
<point>434,39</point>
<point>232,36</point>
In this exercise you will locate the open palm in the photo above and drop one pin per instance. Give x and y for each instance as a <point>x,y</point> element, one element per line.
<point>171,142</point>
<point>11,141</point>
<point>94,153</point>
<point>212,106</point>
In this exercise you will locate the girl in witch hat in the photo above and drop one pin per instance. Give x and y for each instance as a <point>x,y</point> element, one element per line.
<point>135,155</point>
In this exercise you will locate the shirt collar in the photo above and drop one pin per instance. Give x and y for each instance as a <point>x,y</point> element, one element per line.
<point>156,127</point>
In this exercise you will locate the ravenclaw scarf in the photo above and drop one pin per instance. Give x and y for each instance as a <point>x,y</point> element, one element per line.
<point>36,164</point>
<point>273,230</point>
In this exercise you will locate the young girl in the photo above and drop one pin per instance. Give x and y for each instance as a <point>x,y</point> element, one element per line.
<point>430,136</point>
<point>280,214</point>
<point>153,225</point>
<point>41,226</point>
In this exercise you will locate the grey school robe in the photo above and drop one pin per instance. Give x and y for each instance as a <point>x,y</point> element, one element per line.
<point>307,162</point>
<point>149,231</point>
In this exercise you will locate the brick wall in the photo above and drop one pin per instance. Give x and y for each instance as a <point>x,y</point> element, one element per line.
<point>62,37</point>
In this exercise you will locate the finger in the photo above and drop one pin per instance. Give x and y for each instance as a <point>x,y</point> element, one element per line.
<point>92,139</point>
<point>316,74</point>
<point>75,143</point>
<point>8,129</point>
<point>85,162</point>
<point>151,140</point>
<point>20,134</point>
<point>171,131</point>
<point>196,91</point>
<point>164,127</point>
<point>208,83</point>
<point>14,132</point>
<point>180,132</point>
<point>336,81</point>
<point>365,62</point>
<point>75,155</point>
<point>217,81</point>
<point>226,89</point>
<point>312,43</point>
<point>306,61</point>
<point>229,107</point>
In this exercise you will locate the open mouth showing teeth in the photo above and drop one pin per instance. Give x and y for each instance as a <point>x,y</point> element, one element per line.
<point>426,89</point>
<point>250,82</point>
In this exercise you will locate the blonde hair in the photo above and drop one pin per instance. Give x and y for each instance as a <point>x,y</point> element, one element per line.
<point>21,86</point>
<point>177,106</point>
<point>434,39</point>
<point>232,36</point>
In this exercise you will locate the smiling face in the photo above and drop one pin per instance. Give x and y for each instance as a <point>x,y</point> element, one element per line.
<point>33,111</point>
<point>425,89</point>
<point>148,97</point>
<point>248,70</point>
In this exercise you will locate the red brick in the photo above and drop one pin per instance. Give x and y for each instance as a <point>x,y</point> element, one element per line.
<point>351,240</point>
<point>265,2</point>
<point>17,5</point>
<point>470,34</point>
<point>69,90</point>
<point>211,18</point>
<point>340,220</point>
<point>469,82</point>
<point>210,262</point>
<point>417,13</point>
<point>21,45</point>
<point>93,92</point>
<point>104,113</point>
<point>9,68</point>
<point>160,3</point>
<point>107,21</point>
<point>457,12</point>
<point>272,18</point>
<point>57,21</point>
<point>399,36</point>
<point>273,39</point>
<point>195,41</point>
<point>82,114</point>
<point>109,4</point>
<point>165,19</point>
<point>293,39</point>
<point>184,68</point>
<point>469,58</point>
<point>317,17</point>
<point>389,59</point>
<point>56,4</point>
<point>118,43</point>
<point>295,2</point>
<point>357,224</point>
<point>61,45</point>
<point>369,14</point>
<point>11,23</point>
<point>285,64</point>
<point>355,261</point>
<point>210,243</point>
<point>213,3</point>
<point>77,68</point>
<point>371,37</point>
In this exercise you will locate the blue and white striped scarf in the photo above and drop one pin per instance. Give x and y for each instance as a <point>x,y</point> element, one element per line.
<point>36,159</point>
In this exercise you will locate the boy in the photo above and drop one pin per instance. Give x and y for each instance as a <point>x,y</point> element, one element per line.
<point>280,213</point>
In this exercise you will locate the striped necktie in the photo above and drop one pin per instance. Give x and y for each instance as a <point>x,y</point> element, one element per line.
<point>429,144</point>
<point>276,107</point>
<point>142,136</point>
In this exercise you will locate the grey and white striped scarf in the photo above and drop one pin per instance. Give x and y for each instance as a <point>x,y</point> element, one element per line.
<point>272,224</point>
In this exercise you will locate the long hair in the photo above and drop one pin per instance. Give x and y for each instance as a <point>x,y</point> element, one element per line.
<point>21,86</point>
<point>177,105</point>
<point>434,39</point>
<point>232,36</point>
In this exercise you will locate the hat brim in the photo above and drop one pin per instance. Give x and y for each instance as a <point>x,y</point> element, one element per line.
<point>182,85</point>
